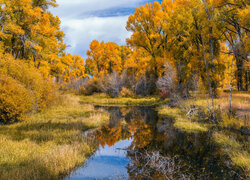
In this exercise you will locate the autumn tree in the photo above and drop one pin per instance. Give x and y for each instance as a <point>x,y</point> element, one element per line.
<point>103,58</point>
<point>68,68</point>
<point>44,4</point>
<point>234,16</point>
<point>162,31</point>
<point>29,31</point>
<point>146,26</point>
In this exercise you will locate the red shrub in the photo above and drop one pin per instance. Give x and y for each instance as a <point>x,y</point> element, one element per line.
<point>164,94</point>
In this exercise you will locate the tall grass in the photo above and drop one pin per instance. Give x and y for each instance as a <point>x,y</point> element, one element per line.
<point>104,100</point>
<point>181,121</point>
<point>239,155</point>
<point>50,144</point>
<point>240,109</point>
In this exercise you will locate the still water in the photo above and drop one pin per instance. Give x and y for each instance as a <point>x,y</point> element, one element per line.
<point>136,143</point>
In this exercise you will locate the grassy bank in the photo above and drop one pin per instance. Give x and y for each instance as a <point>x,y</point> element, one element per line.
<point>104,100</point>
<point>50,144</point>
<point>181,121</point>
<point>236,148</point>
<point>240,108</point>
<point>227,132</point>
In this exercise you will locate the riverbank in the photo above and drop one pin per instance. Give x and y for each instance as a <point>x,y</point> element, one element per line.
<point>49,144</point>
<point>104,100</point>
<point>231,133</point>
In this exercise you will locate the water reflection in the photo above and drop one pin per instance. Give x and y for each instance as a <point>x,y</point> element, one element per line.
<point>137,144</point>
<point>107,163</point>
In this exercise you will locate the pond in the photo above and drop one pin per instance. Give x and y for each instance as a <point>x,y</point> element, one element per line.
<point>136,143</point>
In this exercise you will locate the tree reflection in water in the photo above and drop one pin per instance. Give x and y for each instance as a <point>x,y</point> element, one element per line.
<point>159,151</point>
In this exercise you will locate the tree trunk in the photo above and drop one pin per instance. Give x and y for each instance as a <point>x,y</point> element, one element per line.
<point>247,79</point>
<point>211,45</point>
<point>240,74</point>
<point>209,82</point>
<point>231,87</point>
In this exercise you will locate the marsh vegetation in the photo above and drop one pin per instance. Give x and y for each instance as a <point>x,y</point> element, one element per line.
<point>49,144</point>
<point>174,100</point>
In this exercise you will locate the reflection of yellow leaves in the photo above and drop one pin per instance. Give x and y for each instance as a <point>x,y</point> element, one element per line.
<point>125,111</point>
<point>108,136</point>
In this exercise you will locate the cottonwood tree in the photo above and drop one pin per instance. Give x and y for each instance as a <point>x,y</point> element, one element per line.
<point>146,26</point>
<point>103,58</point>
<point>234,15</point>
<point>30,32</point>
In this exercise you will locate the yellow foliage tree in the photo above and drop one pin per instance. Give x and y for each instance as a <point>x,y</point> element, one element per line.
<point>103,58</point>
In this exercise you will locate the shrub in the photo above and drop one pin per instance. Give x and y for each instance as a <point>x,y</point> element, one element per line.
<point>110,84</point>
<point>43,90</point>
<point>90,87</point>
<point>15,100</point>
<point>78,83</point>
<point>164,94</point>
<point>146,85</point>
<point>167,83</point>
<point>128,79</point>
<point>23,89</point>
<point>114,85</point>
<point>126,92</point>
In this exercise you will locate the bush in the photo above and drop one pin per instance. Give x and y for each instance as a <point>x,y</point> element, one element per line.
<point>90,87</point>
<point>167,83</point>
<point>128,79</point>
<point>43,90</point>
<point>110,84</point>
<point>146,85</point>
<point>15,100</point>
<point>164,94</point>
<point>22,89</point>
<point>126,93</point>
<point>114,85</point>
<point>77,84</point>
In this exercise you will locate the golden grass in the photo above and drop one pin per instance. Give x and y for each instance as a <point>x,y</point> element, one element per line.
<point>240,107</point>
<point>234,150</point>
<point>104,100</point>
<point>50,144</point>
<point>181,121</point>
<point>225,141</point>
<point>241,159</point>
<point>189,126</point>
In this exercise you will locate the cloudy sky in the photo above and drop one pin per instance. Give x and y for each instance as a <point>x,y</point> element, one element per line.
<point>87,20</point>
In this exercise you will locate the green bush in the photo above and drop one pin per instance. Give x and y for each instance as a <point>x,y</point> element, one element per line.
<point>15,100</point>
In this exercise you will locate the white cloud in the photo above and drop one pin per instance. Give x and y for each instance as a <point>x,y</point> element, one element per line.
<point>86,20</point>
<point>81,32</point>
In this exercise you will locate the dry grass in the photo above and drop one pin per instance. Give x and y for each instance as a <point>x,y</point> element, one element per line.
<point>181,121</point>
<point>104,100</point>
<point>240,108</point>
<point>235,150</point>
<point>225,141</point>
<point>50,144</point>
